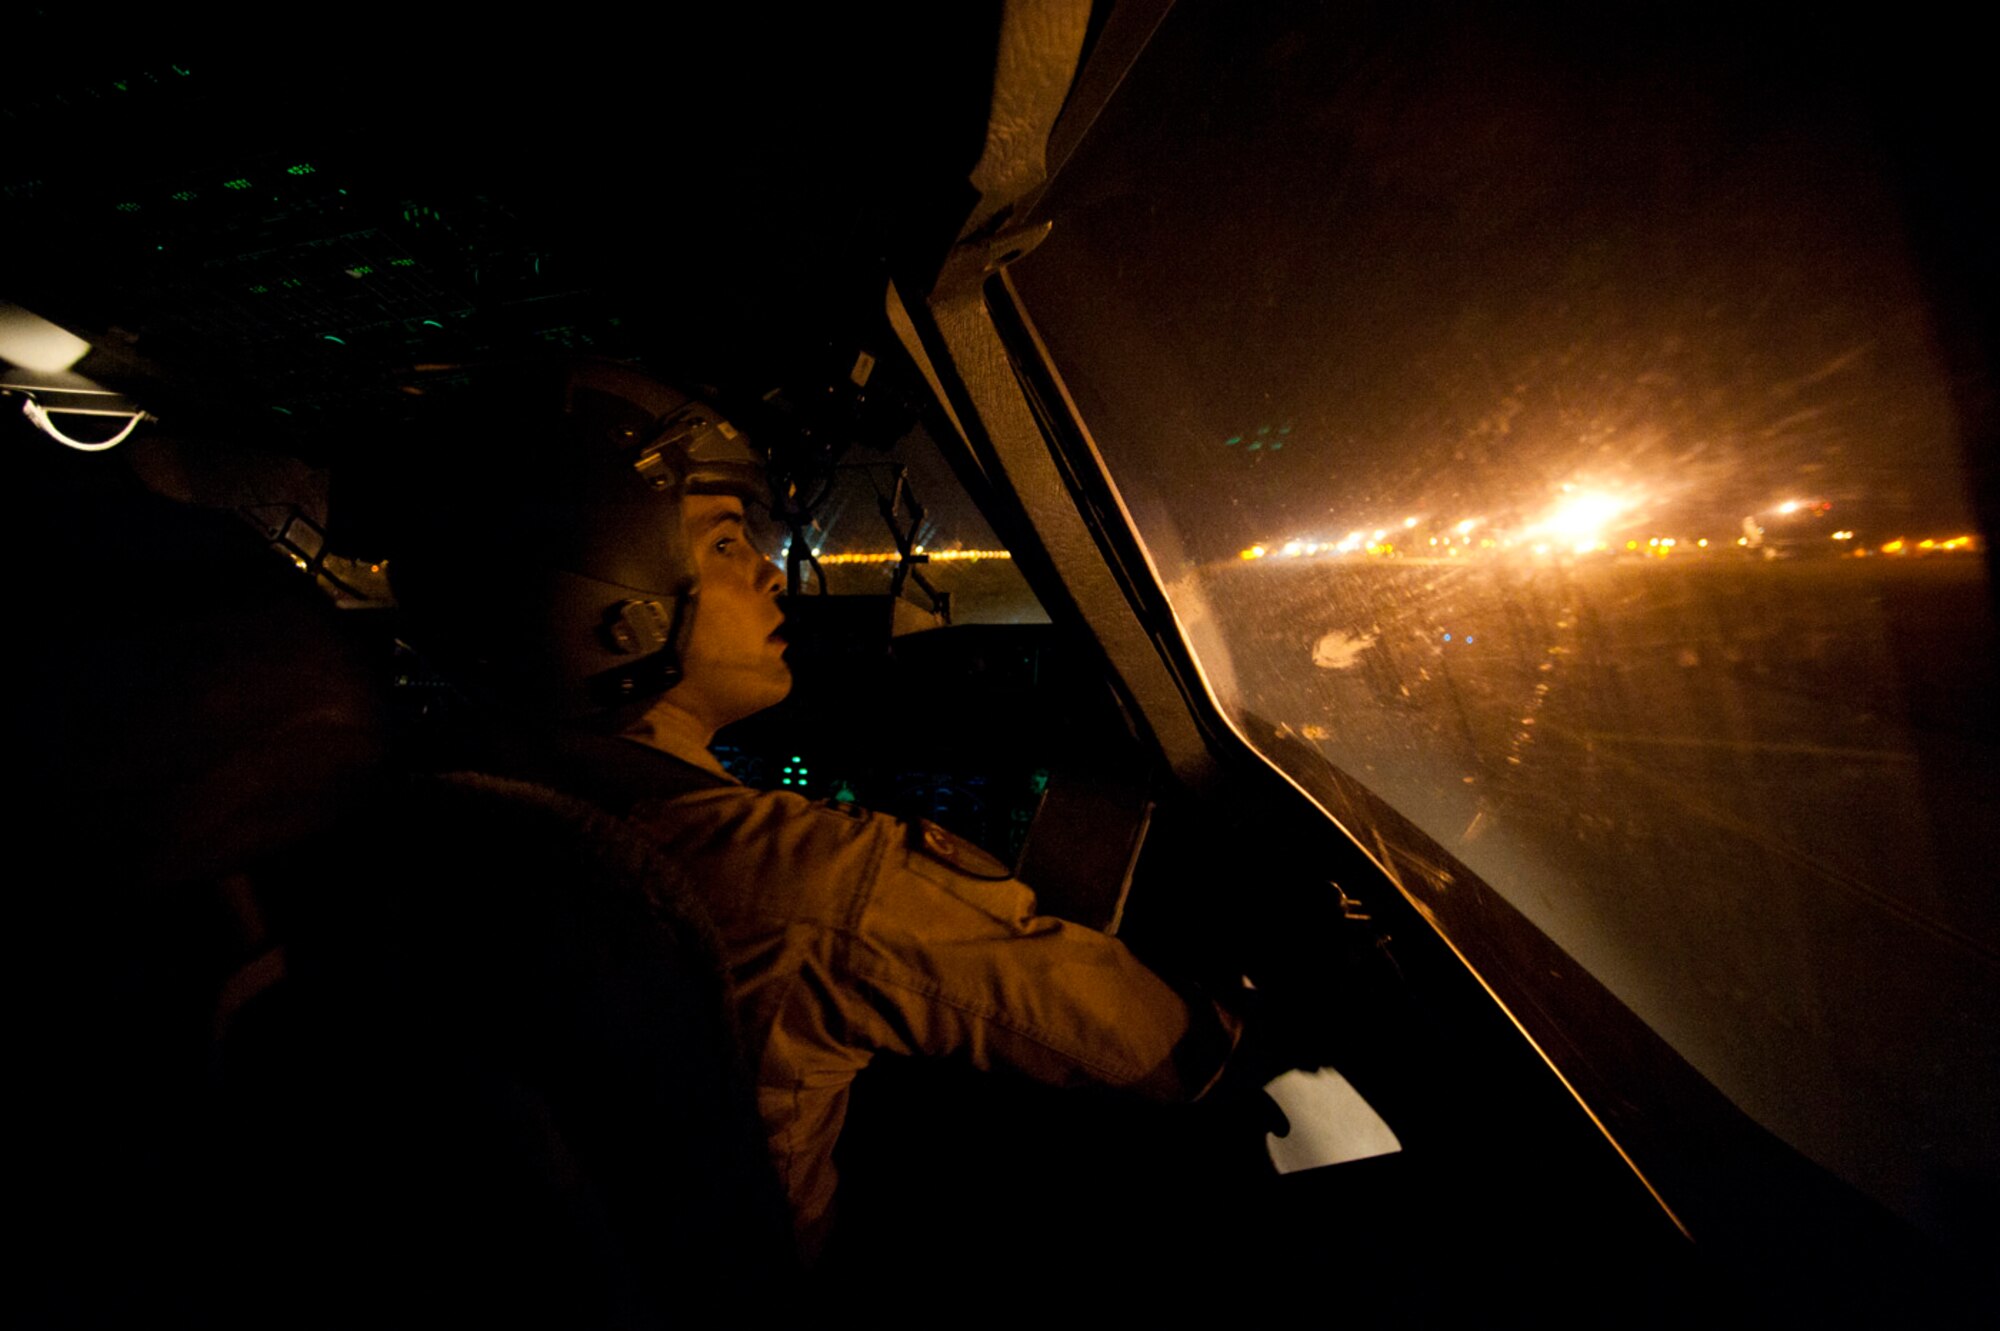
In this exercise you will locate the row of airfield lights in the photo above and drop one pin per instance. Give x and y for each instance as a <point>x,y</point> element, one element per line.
<point>891,556</point>
<point>1574,528</point>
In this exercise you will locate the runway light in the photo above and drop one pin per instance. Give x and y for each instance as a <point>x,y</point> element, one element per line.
<point>1465,527</point>
<point>1409,523</point>
<point>1894,547</point>
<point>1843,536</point>
<point>1703,543</point>
<point>1790,506</point>
<point>1581,517</point>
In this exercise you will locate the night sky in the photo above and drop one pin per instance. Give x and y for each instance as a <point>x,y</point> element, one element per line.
<point>1452,262</point>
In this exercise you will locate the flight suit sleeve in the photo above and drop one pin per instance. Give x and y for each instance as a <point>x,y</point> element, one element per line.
<point>949,956</point>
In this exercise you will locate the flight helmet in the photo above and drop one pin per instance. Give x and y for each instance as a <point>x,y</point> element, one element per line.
<point>551,573</point>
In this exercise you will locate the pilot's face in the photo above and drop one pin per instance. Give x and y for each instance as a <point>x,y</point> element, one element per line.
<point>734,664</point>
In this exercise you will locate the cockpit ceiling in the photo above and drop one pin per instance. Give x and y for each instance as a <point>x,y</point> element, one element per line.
<point>269,238</point>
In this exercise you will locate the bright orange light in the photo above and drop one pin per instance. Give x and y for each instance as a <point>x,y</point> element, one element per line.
<point>1926,545</point>
<point>1894,547</point>
<point>1956,543</point>
<point>1409,523</point>
<point>937,556</point>
<point>1790,506</point>
<point>1703,543</point>
<point>1581,517</point>
<point>1254,552</point>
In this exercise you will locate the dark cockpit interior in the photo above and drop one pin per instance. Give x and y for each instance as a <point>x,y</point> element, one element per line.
<point>320,1026</point>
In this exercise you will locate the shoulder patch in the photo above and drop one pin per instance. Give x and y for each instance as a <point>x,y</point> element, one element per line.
<point>927,838</point>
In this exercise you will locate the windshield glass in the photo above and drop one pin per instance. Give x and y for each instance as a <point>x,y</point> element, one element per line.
<point>1545,425</point>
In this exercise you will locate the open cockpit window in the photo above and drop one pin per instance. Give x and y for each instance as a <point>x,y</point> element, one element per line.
<point>1556,444</point>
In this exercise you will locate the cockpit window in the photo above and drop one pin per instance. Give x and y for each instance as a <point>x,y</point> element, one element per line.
<point>881,498</point>
<point>1550,428</point>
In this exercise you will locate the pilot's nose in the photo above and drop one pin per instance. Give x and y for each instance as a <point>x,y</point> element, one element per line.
<point>771,578</point>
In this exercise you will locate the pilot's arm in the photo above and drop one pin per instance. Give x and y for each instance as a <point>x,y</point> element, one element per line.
<point>952,957</point>
<point>851,934</point>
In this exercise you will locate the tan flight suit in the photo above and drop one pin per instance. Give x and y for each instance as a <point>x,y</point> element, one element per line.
<point>852,934</point>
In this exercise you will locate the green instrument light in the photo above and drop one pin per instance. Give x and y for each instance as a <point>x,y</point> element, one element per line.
<point>239,183</point>
<point>1039,781</point>
<point>301,169</point>
<point>1256,444</point>
<point>259,289</point>
<point>1232,439</point>
<point>432,323</point>
<point>331,338</point>
<point>282,411</point>
<point>178,70</point>
<point>184,196</point>
<point>402,263</point>
<point>128,207</point>
<point>121,85</point>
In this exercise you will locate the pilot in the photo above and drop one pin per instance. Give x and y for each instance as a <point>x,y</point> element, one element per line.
<point>849,934</point>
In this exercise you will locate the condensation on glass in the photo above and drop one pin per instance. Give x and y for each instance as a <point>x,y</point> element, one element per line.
<point>1546,425</point>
